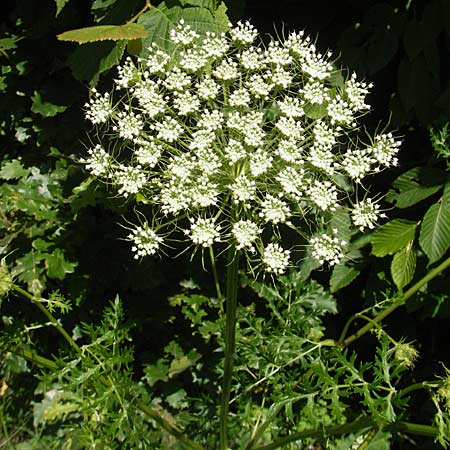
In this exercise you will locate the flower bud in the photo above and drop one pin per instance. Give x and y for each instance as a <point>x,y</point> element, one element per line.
<point>406,354</point>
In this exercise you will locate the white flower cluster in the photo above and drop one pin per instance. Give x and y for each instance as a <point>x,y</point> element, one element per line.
<point>232,142</point>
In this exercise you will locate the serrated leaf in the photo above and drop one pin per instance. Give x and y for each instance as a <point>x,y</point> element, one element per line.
<point>434,235</point>
<point>342,276</point>
<point>392,236</point>
<point>182,363</point>
<point>403,266</point>
<point>314,111</point>
<point>415,185</point>
<point>160,20</point>
<point>13,169</point>
<point>129,31</point>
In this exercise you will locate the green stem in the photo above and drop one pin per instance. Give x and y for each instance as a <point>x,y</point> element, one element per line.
<point>49,316</point>
<point>230,341</point>
<point>215,275</point>
<point>142,11</point>
<point>417,386</point>
<point>409,293</point>
<point>417,429</point>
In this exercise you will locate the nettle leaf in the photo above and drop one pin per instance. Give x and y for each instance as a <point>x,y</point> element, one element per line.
<point>127,32</point>
<point>434,235</point>
<point>403,266</point>
<point>342,276</point>
<point>13,170</point>
<point>160,20</point>
<point>392,236</point>
<point>415,185</point>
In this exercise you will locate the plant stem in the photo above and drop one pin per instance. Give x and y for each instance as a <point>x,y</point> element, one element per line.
<point>409,293</point>
<point>142,11</point>
<point>216,277</point>
<point>230,341</point>
<point>49,316</point>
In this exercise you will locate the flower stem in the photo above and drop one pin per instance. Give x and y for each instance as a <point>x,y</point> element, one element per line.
<point>399,302</point>
<point>230,341</point>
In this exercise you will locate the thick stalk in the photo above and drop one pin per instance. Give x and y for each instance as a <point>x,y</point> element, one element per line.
<point>230,341</point>
<point>409,293</point>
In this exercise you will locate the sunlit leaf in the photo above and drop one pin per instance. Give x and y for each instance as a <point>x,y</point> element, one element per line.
<point>403,266</point>
<point>392,236</point>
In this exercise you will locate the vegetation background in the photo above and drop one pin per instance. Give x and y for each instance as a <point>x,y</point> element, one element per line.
<point>60,234</point>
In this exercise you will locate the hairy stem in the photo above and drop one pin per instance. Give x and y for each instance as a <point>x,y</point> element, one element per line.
<point>230,341</point>
<point>409,293</point>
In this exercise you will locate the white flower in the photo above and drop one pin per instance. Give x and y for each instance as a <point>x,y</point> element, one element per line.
<point>181,167</point>
<point>239,97</point>
<point>186,102</point>
<point>156,60</point>
<point>193,59</point>
<point>326,248</point>
<point>290,151</point>
<point>315,92</point>
<point>243,189</point>
<point>275,258</point>
<point>207,88</point>
<point>177,80</point>
<point>299,45</point>
<point>183,34</point>
<point>258,87</point>
<point>98,161</point>
<point>340,112</point>
<point>204,193</point>
<point>365,214</point>
<point>129,125</point>
<point>324,136</point>
<point>130,179</point>
<point>245,232</point>
<point>291,107</point>
<point>243,33</point>
<point>252,58</point>
<point>210,120</point>
<point>293,181</point>
<point>324,195</point>
<point>226,70</point>
<point>357,164</point>
<point>234,151</point>
<point>174,197</point>
<point>290,127</point>
<point>151,101</point>
<point>168,130</point>
<point>356,93</point>
<point>385,149</point>
<point>215,45</point>
<point>322,158</point>
<point>202,139</point>
<point>145,241</point>
<point>276,54</point>
<point>260,162</point>
<point>148,152</point>
<point>316,66</point>
<point>127,73</point>
<point>274,210</point>
<point>203,232</point>
<point>99,108</point>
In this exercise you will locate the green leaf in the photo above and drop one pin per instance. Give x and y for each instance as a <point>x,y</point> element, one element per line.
<point>434,235</point>
<point>89,61</point>
<point>129,31</point>
<point>342,276</point>
<point>60,5</point>
<point>182,363</point>
<point>160,20</point>
<point>13,170</point>
<point>392,236</point>
<point>403,266</point>
<point>315,112</point>
<point>45,109</point>
<point>57,266</point>
<point>157,372</point>
<point>415,185</point>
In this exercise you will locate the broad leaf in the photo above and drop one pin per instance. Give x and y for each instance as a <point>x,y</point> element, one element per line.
<point>434,235</point>
<point>392,236</point>
<point>57,266</point>
<point>415,185</point>
<point>13,169</point>
<point>403,266</point>
<point>60,5</point>
<point>45,109</point>
<point>342,276</point>
<point>125,32</point>
<point>160,20</point>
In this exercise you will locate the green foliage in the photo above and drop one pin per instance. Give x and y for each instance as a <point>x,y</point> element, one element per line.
<point>128,31</point>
